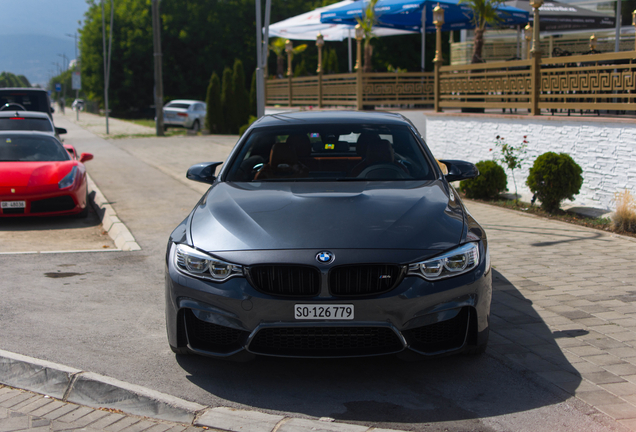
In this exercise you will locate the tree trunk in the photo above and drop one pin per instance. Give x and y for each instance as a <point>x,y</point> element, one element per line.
<point>478,45</point>
<point>280,67</point>
<point>368,54</point>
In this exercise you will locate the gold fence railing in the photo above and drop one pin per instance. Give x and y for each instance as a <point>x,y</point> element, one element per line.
<point>591,82</point>
<point>389,89</point>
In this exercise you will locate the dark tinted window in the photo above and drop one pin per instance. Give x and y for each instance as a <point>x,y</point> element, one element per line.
<point>331,152</point>
<point>178,105</point>
<point>31,149</point>
<point>21,123</point>
<point>31,101</point>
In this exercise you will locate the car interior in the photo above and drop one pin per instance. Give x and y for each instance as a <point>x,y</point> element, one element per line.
<point>328,153</point>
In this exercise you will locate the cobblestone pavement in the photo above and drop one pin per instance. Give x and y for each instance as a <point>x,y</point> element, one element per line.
<point>26,411</point>
<point>563,306</point>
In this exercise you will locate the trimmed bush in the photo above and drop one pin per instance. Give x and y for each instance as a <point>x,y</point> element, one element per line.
<point>241,96</point>
<point>492,180</point>
<point>214,114</point>
<point>553,178</point>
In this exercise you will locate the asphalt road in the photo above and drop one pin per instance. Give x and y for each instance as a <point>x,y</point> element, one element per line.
<point>103,312</point>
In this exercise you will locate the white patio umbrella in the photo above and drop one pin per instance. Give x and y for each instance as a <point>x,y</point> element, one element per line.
<point>307,26</point>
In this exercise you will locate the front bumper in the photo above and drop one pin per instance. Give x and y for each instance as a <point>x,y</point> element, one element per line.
<point>47,203</point>
<point>234,319</point>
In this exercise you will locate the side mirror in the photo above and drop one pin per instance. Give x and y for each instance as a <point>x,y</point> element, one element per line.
<point>85,157</point>
<point>203,172</point>
<point>60,131</point>
<point>459,170</point>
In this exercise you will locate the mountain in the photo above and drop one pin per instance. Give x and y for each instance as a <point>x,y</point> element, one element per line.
<point>34,55</point>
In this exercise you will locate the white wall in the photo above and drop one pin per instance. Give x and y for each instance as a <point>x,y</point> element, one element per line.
<point>604,148</point>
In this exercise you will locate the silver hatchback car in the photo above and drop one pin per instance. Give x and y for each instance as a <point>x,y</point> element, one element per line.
<point>189,114</point>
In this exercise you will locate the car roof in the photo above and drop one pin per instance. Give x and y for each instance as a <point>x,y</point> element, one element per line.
<point>190,101</point>
<point>29,89</point>
<point>330,117</point>
<point>32,133</point>
<point>29,114</point>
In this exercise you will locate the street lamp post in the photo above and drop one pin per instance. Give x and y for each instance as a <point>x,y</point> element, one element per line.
<point>527,34</point>
<point>107,59</point>
<point>320,42</point>
<point>359,37</point>
<point>634,24</point>
<point>289,49</point>
<point>438,21</point>
<point>536,60</point>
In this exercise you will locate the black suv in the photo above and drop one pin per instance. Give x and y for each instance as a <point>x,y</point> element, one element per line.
<point>32,99</point>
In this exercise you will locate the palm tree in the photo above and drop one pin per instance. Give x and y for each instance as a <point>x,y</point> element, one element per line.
<point>278,46</point>
<point>484,12</point>
<point>366,22</point>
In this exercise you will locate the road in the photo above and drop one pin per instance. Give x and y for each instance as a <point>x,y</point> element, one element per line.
<point>103,312</point>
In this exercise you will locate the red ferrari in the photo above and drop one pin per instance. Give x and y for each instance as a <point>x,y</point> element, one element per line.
<point>38,176</point>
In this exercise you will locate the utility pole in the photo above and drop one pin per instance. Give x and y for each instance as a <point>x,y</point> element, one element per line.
<point>77,69</point>
<point>156,41</point>
<point>107,59</point>
<point>261,55</point>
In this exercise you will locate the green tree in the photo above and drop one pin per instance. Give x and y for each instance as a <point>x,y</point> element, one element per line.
<point>241,97</point>
<point>214,113</point>
<point>484,13</point>
<point>278,46</point>
<point>228,104</point>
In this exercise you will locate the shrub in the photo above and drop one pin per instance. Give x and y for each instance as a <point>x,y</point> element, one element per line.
<point>243,128</point>
<point>241,96</point>
<point>553,178</point>
<point>253,95</point>
<point>492,180</point>
<point>214,114</point>
<point>624,219</point>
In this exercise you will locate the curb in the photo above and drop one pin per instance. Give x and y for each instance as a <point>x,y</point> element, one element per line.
<point>97,391</point>
<point>115,228</point>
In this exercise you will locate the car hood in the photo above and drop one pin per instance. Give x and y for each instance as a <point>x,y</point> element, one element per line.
<point>28,174</point>
<point>329,215</point>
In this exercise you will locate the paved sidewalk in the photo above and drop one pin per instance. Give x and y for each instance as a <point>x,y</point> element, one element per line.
<point>27,411</point>
<point>563,306</point>
<point>97,124</point>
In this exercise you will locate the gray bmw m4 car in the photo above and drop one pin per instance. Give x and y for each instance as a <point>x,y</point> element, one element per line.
<point>329,234</point>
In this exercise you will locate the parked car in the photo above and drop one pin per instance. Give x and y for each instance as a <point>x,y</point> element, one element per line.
<point>189,114</point>
<point>329,234</point>
<point>28,121</point>
<point>38,176</point>
<point>31,99</point>
<point>78,104</point>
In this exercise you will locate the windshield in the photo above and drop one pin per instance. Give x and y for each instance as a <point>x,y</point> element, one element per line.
<point>31,101</point>
<point>22,123</point>
<point>331,153</point>
<point>178,105</point>
<point>20,148</point>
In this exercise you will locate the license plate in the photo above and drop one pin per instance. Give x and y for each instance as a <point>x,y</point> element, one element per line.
<point>13,204</point>
<point>323,312</point>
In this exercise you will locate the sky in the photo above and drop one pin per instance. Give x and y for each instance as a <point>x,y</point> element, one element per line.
<point>41,17</point>
<point>34,36</point>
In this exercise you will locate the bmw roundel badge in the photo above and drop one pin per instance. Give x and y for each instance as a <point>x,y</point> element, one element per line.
<point>325,257</point>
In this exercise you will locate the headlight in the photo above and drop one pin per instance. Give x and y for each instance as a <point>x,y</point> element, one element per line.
<point>199,264</point>
<point>68,179</point>
<point>453,263</point>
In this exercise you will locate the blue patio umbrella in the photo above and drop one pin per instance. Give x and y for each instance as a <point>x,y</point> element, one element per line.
<point>407,14</point>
